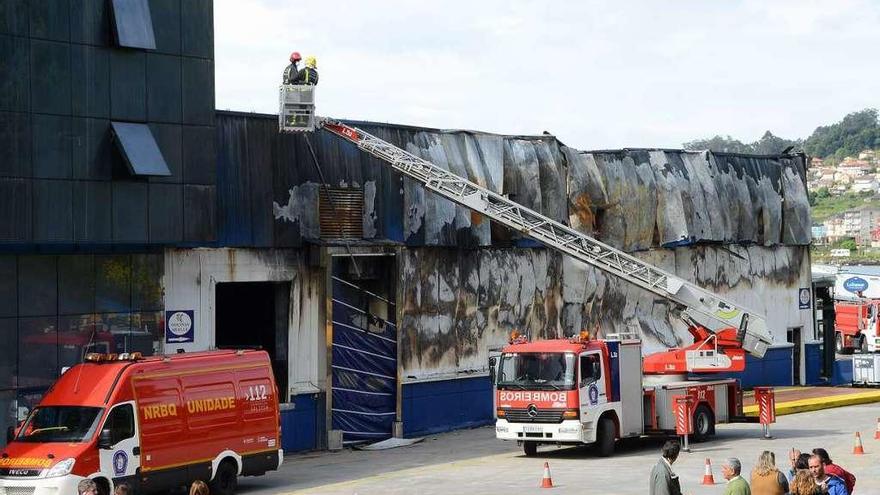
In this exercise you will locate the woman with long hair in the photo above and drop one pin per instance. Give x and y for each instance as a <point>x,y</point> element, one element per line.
<point>804,484</point>
<point>198,488</point>
<point>766,479</point>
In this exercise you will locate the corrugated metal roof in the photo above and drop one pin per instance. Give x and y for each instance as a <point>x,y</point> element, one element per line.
<point>634,199</point>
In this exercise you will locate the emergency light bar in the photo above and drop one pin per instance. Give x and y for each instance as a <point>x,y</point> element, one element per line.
<point>97,357</point>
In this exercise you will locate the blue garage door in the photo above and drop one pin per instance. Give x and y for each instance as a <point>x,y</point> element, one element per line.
<point>364,363</point>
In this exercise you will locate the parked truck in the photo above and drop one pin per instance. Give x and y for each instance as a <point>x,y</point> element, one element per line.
<point>857,326</point>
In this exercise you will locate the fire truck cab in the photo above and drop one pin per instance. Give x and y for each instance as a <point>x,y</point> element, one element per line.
<point>156,423</point>
<point>573,391</point>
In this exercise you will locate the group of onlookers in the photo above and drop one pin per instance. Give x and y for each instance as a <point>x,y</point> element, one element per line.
<point>810,474</point>
<point>89,487</point>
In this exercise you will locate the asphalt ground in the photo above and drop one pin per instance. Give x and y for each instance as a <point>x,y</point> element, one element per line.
<point>474,462</point>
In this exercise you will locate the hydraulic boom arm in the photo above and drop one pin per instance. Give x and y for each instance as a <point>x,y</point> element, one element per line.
<point>713,312</point>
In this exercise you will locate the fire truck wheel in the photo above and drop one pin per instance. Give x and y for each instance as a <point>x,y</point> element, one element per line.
<point>704,423</point>
<point>838,345</point>
<point>863,345</point>
<point>226,480</point>
<point>530,449</point>
<point>605,437</point>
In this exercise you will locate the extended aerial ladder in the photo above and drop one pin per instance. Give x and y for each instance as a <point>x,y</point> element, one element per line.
<point>722,329</point>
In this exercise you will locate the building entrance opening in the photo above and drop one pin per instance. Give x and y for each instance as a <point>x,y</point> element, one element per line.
<point>255,315</point>
<point>364,359</point>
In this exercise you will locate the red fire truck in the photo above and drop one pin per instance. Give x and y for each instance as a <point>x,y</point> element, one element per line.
<point>156,423</point>
<point>583,390</point>
<point>857,326</point>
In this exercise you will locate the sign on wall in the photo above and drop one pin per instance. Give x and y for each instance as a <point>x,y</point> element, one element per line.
<point>179,326</point>
<point>804,297</point>
<point>855,284</point>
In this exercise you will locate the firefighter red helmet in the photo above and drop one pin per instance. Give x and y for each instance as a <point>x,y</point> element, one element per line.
<point>295,57</point>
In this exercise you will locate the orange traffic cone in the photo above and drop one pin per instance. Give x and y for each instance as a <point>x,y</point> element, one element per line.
<point>708,479</point>
<point>547,481</point>
<point>877,432</point>
<point>857,448</point>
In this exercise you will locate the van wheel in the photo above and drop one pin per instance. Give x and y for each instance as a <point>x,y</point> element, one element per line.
<point>605,437</point>
<point>530,449</point>
<point>704,423</point>
<point>226,480</point>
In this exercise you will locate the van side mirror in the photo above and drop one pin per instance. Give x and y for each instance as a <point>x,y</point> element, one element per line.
<point>105,440</point>
<point>10,434</point>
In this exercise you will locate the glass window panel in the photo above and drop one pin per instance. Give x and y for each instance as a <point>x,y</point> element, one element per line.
<point>113,283</point>
<point>8,353</point>
<point>147,331</point>
<point>76,284</point>
<point>8,287</point>
<point>37,352</point>
<point>114,330</point>
<point>37,285</point>
<point>77,336</point>
<point>134,24</point>
<point>139,148</point>
<point>146,282</point>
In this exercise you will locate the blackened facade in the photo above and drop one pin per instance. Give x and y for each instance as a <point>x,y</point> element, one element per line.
<point>81,232</point>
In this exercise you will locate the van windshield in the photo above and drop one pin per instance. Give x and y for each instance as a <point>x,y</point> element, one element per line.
<point>60,424</point>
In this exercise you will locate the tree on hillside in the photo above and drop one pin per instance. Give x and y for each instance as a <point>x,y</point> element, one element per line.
<point>718,143</point>
<point>773,145</point>
<point>856,132</point>
<point>767,145</point>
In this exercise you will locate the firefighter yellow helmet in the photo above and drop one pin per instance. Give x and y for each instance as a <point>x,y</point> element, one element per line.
<point>312,62</point>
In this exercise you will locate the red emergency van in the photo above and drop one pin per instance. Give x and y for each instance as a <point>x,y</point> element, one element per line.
<point>156,423</point>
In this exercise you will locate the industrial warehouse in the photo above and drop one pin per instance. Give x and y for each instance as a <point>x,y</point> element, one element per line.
<point>379,303</point>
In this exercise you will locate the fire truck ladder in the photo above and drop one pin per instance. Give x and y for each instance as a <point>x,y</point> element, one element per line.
<point>690,299</point>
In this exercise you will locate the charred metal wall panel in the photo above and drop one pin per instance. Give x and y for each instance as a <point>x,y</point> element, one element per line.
<point>458,304</point>
<point>62,81</point>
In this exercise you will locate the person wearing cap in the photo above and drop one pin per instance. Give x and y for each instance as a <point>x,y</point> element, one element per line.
<point>308,75</point>
<point>848,478</point>
<point>291,71</point>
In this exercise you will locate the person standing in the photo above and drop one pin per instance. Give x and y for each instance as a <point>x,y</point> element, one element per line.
<point>736,485</point>
<point>766,479</point>
<point>87,487</point>
<point>803,484</point>
<point>830,484</point>
<point>828,465</point>
<point>291,71</point>
<point>793,455</point>
<point>198,488</point>
<point>308,75</point>
<point>663,480</point>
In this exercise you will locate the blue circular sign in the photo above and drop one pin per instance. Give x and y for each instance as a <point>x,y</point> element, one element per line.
<point>855,284</point>
<point>593,393</point>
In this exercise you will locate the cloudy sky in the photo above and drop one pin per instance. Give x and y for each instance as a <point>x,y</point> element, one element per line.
<point>596,74</point>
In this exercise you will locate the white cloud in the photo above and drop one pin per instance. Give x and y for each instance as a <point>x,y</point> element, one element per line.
<point>598,74</point>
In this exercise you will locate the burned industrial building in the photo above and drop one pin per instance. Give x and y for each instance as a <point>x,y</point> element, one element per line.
<point>379,302</point>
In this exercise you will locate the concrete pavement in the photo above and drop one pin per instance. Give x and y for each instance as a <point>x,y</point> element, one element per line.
<point>474,462</point>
